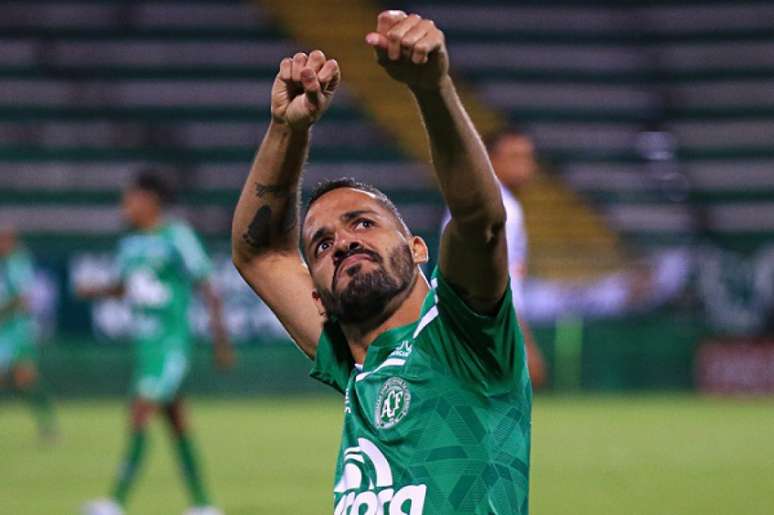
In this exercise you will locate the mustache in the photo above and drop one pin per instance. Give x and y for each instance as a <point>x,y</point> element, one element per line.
<point>373,256</point>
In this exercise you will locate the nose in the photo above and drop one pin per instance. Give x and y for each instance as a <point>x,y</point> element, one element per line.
<point>344,247</point>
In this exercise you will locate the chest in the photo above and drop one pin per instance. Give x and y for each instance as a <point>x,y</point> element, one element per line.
<point>150,253</point>
<point>152,271</point>
<point>393,402</point>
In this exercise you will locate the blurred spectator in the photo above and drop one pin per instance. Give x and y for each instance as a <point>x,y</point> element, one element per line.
<point>18,350</point>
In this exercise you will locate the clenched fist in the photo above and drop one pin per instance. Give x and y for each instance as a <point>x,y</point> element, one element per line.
<point>411,49</point>
<point>303,89</point>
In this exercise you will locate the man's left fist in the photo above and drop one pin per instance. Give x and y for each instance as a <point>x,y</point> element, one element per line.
<point>411,49</point>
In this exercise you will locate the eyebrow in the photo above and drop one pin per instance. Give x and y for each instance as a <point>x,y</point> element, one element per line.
<point>349,215</point>
<point>319,233</point>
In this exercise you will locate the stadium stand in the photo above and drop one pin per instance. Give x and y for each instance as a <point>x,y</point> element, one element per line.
<point>90,91</point>
<point>659,113</point>
<point>568,240</point>
<point>661,116</point>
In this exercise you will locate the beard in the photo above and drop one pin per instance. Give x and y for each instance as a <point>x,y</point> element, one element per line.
<point>367,295</point>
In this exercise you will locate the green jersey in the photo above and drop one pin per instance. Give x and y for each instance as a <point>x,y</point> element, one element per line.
<point>16,275</point>
<point>158,269</point>
<point>437,420</point>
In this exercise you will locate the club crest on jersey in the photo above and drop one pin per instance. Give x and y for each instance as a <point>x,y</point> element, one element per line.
<point>392,403</point>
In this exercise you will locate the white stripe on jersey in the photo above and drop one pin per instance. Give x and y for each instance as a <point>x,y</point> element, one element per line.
<point>392,362</point>
<point>429,317</point>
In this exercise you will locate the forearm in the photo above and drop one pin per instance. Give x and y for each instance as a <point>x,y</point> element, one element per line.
<point>473,255</point>
<point>460,159</point>
<point>266,216</point>
<point>215,311</point>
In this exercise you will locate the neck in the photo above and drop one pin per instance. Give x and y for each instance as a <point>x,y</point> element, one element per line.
<point>360,336</point>
<point>151,223</point>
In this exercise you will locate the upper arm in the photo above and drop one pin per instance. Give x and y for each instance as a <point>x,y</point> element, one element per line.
<point>474,259</point>
<point>283,282</point>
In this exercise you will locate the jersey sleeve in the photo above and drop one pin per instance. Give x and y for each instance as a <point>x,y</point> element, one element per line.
<point>333,362</point>
<point>487,351</point>
<point>195,260</point>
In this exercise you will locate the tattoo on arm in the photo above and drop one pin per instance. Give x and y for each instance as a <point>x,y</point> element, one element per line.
<point>275,190</point>
<point>259,232</point>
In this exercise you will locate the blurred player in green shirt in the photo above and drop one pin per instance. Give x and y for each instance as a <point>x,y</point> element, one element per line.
<point>437,397</point>
<point>159,265</point>
<point>18,352</point>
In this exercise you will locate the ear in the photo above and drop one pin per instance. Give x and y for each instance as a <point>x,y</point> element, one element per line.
<point>419,250</point>
<point>319,304</point>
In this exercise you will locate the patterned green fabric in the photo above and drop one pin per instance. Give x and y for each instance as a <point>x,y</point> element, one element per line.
<point>17,329</point>
<point>159,269</point>
<point>438,419</point>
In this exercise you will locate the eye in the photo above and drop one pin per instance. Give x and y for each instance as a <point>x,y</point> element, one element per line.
<point>322,246</point>
<point>364,223</point>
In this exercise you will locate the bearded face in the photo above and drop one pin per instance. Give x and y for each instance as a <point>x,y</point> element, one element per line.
<point>366,293</point>
<point>361,256</point>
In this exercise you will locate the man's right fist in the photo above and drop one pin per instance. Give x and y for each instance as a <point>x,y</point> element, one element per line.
<point>303,89</point>
<point>411,49</point>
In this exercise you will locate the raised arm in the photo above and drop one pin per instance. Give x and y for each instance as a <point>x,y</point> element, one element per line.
<point>265,230</point>
<point>473,248</point>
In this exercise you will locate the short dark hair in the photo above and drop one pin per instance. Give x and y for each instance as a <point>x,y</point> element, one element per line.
<point>150,180</point>
<point>494,137</point>
<point>349,182</point>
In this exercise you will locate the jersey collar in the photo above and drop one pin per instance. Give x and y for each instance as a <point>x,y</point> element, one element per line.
<point>386,343</point>
<point>392,339</point>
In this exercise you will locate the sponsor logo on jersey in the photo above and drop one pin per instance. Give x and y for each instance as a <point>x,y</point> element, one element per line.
<point>392,403</point>
<point>143,288</point>
<point>366,485</point>
<point>403,350</point>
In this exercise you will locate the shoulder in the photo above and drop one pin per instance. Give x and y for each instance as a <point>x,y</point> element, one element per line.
<point>447,314</point>
<point>126,242</point>
<point>182,232</point>
<point>178,228</point>
<point>182,235</point>
<point>482,349</point>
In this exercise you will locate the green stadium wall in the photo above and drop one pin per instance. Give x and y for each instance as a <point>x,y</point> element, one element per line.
<point>648,352</point>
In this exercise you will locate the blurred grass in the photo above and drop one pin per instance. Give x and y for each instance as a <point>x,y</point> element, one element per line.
<point>660,455</point>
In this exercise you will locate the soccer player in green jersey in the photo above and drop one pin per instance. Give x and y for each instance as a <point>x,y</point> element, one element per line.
<point>437,397</point>
<point>159,264</point>
<point>18,353</point>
